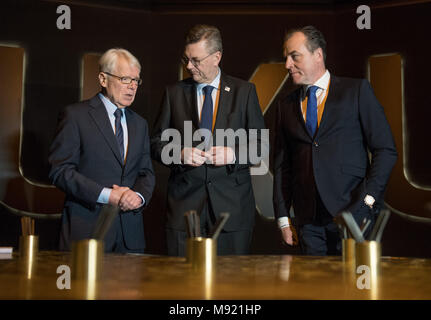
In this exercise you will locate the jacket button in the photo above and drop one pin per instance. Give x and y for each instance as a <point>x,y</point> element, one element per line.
<point>316,144</point>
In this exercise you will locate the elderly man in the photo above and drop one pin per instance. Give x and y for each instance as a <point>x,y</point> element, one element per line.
<point>101,154</point>
<point>324,131</point>
<point>210,179</point>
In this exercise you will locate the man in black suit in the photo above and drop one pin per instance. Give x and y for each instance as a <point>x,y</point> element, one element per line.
<point>101,154</point>
<point>324,131</point>
<point>210,179</point>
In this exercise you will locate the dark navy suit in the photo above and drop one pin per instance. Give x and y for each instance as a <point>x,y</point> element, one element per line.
<point>85,158</point>
<point>322,175</point>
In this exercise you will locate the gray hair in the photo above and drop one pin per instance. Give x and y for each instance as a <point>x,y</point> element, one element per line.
<point>315,38</point>
<point>206,32</point>
<point>108,61</point>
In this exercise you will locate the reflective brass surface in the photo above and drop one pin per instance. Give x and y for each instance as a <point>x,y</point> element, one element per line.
<point>28,249</point>
<point>28,245</point>
<point>87,259</point>
<point>368,256</point>
<point>368,253</point>
<point>201,253</point>
<point>235,277</point>
<point>348,250</point>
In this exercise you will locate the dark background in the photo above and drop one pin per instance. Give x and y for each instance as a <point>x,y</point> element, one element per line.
<point>252,33</point>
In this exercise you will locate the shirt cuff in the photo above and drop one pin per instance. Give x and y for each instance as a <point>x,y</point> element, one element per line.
<point>104,195</point>
<point>234,157</point>
<point>283,222</point>
<point>142,198</point>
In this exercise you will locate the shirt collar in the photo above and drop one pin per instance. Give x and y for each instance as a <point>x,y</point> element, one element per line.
<point>215,83</point>
<point>110,107</point>
<point>322,83</point>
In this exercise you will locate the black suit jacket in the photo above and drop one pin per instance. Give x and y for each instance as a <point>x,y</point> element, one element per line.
<point>335,161</point>
<point>85,158</point>
<point>228,188</point>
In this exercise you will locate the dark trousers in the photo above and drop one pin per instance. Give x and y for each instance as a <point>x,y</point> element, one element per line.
<point>113,242</point>
<point>321,237</point>
<point>228,243</point>
<point>117,243</point>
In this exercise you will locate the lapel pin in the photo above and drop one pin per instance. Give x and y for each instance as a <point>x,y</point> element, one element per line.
<point>226,89</point>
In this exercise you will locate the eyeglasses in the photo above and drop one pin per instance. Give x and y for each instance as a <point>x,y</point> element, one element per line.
<point>196,62</point>
<point>125,80</point>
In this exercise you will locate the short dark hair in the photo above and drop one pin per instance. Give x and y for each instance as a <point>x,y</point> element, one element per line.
<point>205,32</point>
<point>315,38</point>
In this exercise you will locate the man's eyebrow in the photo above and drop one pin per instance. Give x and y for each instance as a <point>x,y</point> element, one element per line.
<point>293,52</point>
<point>286,53</point>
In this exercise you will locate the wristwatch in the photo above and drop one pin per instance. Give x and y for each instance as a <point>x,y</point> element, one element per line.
<point>369,200</point>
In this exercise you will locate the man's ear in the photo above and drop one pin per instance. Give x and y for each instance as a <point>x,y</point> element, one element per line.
<point>319,53</point>
<point>218,55</point>
<point>102,79</point>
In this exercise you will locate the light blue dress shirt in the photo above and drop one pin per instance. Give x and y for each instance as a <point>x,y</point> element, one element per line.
<point>111,108</point>
<point>200,94</point>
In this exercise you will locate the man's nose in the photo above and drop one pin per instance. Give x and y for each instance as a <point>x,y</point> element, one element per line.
<point>190,65</point>
<point>288,63</point>
<point>133,85</point>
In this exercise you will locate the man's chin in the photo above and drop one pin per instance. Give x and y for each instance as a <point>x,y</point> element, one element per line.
<point>197,78</point>
<point>125,104</point>
<point>296,79</point>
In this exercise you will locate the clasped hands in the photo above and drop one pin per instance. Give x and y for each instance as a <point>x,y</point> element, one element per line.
<point>125,198</point>
<point>217,156</point>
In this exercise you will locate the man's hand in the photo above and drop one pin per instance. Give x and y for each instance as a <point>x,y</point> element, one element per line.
<point>193,156</point>
<point>130,201</point>
<point>220,156</point>
<point>116,193</point>
<point>289,235</point>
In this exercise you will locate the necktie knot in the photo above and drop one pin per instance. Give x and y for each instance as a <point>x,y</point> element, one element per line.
<point>208,90</point>
<point>312,91</point>
<point>118,113</point>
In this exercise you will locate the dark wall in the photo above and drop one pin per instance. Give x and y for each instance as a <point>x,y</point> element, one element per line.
<point>250,36</point>
<point>403,30</point>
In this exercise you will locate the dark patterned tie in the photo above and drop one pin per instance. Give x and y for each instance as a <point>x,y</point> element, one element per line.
<point>119,131</point>
<point>311,117</point>
<point>207,109</point>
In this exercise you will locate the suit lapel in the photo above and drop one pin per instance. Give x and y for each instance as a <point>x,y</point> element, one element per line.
<point>191,105</point>
<point>99,115</point>
<point>132,129</point>
<point>227,90</point>
<point>330,111</point>
<point>298,112</point>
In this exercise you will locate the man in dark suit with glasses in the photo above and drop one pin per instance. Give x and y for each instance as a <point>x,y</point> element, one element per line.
<point>101,155</point>
<point>210,178</point>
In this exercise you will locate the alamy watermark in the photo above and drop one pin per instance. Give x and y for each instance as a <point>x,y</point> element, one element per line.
<point>250,146</point>
<point>364,20</point>
<point>64,21</point>
<point>364,280</point>
<point>63,281</point>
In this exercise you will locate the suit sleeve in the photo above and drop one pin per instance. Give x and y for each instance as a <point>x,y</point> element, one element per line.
<point>145,180</point>
<point>282,194</point>
<point>379,139</point>
<point>64,158</point>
